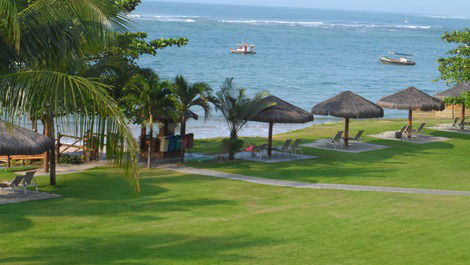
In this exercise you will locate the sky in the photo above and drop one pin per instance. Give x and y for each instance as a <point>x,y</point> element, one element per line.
<point>459,8</point>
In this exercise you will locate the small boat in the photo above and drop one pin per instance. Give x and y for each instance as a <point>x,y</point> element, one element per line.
<point>244,48</point>
<point>401,60</point>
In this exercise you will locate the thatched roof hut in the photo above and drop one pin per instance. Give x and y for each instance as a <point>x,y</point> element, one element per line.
<point>280,112</point>
<point>455,91</point>
<point>348,105</point>
<point>20,141</point>
<point>411,99</point>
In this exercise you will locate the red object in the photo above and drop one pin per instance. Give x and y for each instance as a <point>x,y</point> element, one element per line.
<point>250,148</point>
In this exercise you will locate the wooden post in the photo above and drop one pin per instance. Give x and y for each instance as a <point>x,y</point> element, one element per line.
<point>346,132</point>
<point>270,140</point>
<point>410,122</point>
<point>463,111</point>
<point>8,161</point>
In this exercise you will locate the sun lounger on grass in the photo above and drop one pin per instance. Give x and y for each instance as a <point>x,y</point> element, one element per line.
<point>358,136</point>
<point>296,149</point>
<point>29,181</point>
<point>14,184</point>
<point>335,141</point>
<point>420,128</point>
<point>455,123</point>
<point>404,131</point>
<point>286,148</point>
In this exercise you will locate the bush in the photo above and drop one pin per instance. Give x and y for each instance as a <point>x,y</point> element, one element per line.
<point>231,145</point>
<point>70,159</point>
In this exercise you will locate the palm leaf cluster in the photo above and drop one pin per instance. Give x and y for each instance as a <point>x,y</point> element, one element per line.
<point>40,41</point>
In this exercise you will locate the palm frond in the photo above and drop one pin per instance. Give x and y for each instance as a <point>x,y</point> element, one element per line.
<point>55,29</point>
<point>32,91</point>
<point>9,23</point>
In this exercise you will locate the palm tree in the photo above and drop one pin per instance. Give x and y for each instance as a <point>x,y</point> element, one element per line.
<point>39,40</point>
<point>151,100</point>
<point>237,108</point>
<point>189,96</point>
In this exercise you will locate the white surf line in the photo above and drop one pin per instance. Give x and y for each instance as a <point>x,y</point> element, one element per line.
<point>305,185</point>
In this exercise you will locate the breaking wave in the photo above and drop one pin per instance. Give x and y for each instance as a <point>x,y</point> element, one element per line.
<point>324,24</point>
<point>318,24</point>
<point>183,19</point>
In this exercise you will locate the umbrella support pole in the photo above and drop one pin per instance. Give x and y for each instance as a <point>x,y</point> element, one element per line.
<point>346,132</point>
<point>410,122</point>
<point>270,139</point>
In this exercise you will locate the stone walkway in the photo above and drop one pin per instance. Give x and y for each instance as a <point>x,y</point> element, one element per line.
<point>277,157</point>
<point>305,185</point>
<point>354,146</point>
<point>449,128</point>
<point>11,196</point>
<point>416,139</point>
<point>68,169</point>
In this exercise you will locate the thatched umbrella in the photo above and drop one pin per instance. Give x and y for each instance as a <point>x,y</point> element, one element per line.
<point>348,105</point>
<point>456,91</point>
<point>411,99</point>
<point>20,141</point>
<point>280,112</point>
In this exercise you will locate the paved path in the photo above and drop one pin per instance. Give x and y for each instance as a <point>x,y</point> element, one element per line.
<point>11,196</point>
<point>305,185</point>
<point>67,169</point>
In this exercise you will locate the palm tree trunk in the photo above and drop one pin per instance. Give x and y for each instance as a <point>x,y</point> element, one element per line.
<point>149,155</point>
<point>50,157</point>
<point>34,125</point>
<point>143,137</point>
<point>182,134</point>
<point>233,137</point>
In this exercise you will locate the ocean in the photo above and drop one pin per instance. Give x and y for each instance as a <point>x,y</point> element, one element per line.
<point>304,56</point>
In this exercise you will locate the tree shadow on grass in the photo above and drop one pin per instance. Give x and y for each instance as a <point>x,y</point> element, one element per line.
<point>146,247</point>
<point>107,199</point>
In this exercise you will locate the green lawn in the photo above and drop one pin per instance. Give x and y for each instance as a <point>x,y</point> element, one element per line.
<point>440,165</point>
<point>184,219</point>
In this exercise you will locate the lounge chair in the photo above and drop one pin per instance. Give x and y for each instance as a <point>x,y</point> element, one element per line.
<point>29,181</point>
<point>286,148</point>
<point>259,150</point>
<point>358,136</point>
<point>420,128</point>
<point>296,147</point>
<point>455,123</point>
<point>462,124</point>
<point>14,184</point>
<point>336,140</point>
<point>402,132</point>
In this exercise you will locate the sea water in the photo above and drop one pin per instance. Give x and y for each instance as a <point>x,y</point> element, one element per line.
<point>304,56</point>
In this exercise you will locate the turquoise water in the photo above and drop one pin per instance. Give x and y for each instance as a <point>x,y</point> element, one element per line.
<point>303,55</point>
